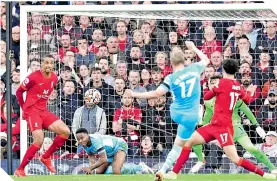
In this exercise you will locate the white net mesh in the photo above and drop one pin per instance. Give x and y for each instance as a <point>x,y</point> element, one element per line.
<point>80,43</point>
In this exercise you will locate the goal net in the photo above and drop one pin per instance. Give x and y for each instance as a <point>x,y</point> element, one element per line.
<point>111,48</point>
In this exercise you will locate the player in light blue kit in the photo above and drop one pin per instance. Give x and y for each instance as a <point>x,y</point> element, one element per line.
<point>184,85</point>
<point>104,150</point>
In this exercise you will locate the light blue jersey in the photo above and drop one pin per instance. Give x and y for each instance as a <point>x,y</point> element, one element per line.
<point>106,143</point>
<point>185,88</point>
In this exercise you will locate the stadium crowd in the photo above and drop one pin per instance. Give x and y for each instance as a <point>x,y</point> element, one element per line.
<point>112,54</point>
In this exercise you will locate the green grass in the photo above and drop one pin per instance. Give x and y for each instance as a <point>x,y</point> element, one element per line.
<point>206,177</point>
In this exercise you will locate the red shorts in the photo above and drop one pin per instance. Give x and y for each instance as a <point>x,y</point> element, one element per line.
<point>39,119</point>
<point>224,135</point>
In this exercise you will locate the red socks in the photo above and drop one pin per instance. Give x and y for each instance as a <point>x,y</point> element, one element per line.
<point>250,167</point>
<point>181,160</point>
<point>57,143</point>
<point>30,153</point>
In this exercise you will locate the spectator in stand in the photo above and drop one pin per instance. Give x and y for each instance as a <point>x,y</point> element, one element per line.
<point>161,59</point>
<point>126,124</point>
<point>53,103</point>
<point>271,82</point>
<point>37,22</point>
<point>269,147</point>
<point>147,148</point>
<point>210,44</point>
<point>208,72</point>
<point>157,76</point>
<point>2,63</point>
<point>118,91</point>
<point>84,56</point>
<point>65,75</point>
<point>183,29</point>
<point>246,57</point>
<point>54,53</point>
<point>33,54</point>
<point>104,65</point>
<point>90,116</point>
<point>69,58</point>
<point>134,78</point>
<point>135,62</point>
<point>243,47</point>
<point>123,38</point>
<point>34,65</point>
<point>121,70</point>
<point>105,89</point>
<point>216,59</point>
<point>200,31</point>
<point>15,127</point>
<point>264,66</point>
<point>227,52</point>
<point>15,80</point>
<point>103,52</point>
<point>145,78</point>
<point>69,102</point>
<point>268,40</point>
<point>36,42</point>
<point>248,30</point>
<point>173,40</point>
<point>142,39</point>
<point>233,38</point>
<point>158,117</point>
<point>256,101</point>
<point>157,34</point>
<point>246,68</point>
<point>3,26</point>
<point>67,27</point>
<point>85,28</point>
<point>114,51</point>
<point>190,56</point>
<point>3,97</point>
<point>66,45</point>
<point>3,46</point>
<point>97,41</point>
<point>84,74</point>
<point>16,42</point>
<point>267,115</point>
<point>101,23</point>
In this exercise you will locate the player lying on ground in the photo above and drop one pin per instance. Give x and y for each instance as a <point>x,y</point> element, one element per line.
<point>184,84</point>
<point>108,150</point>
<point>240,135</point>
<point>39,86</point>
<point>227,92</point>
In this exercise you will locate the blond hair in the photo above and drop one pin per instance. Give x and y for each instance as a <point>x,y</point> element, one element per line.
<point>177,57</point>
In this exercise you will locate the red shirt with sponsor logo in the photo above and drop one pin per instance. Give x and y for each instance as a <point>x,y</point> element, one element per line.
<point>38,88</point>
<point>133,113</point>
<point>227,93</point>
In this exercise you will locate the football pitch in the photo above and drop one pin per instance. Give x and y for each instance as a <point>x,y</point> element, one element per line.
<point>206,177</point>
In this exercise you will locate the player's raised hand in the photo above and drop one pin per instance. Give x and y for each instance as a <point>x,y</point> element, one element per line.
<point>87,170</point>
<point>252,89</point>
<point>190,45</point>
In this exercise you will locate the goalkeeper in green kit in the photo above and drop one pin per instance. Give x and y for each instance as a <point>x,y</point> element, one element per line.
<point>240,135</point>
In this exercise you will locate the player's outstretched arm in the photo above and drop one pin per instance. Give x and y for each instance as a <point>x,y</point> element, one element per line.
<point>204,59</point>
<point>102,159</point>
<point>146,95</point>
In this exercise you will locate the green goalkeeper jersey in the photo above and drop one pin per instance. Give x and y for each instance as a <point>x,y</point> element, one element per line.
<point>240,106</point>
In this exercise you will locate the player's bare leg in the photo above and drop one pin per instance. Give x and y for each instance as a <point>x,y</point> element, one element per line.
<point>195,139</point>
<point>119,160</point>
<point>231,152</point>
<point>38,137</point>
<point>62,131</point>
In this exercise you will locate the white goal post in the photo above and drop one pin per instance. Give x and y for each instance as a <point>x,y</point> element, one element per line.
<point>260,11</point>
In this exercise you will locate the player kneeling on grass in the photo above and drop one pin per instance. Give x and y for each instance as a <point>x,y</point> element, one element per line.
<point>104,150</point>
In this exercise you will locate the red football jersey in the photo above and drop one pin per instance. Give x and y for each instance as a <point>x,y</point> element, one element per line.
<point>38,89</point>
<point>227,93</point>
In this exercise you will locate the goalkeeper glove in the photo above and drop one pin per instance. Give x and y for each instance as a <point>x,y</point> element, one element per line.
<point>260,132</point>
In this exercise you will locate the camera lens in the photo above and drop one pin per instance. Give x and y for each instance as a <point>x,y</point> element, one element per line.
<point>3,142</point>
